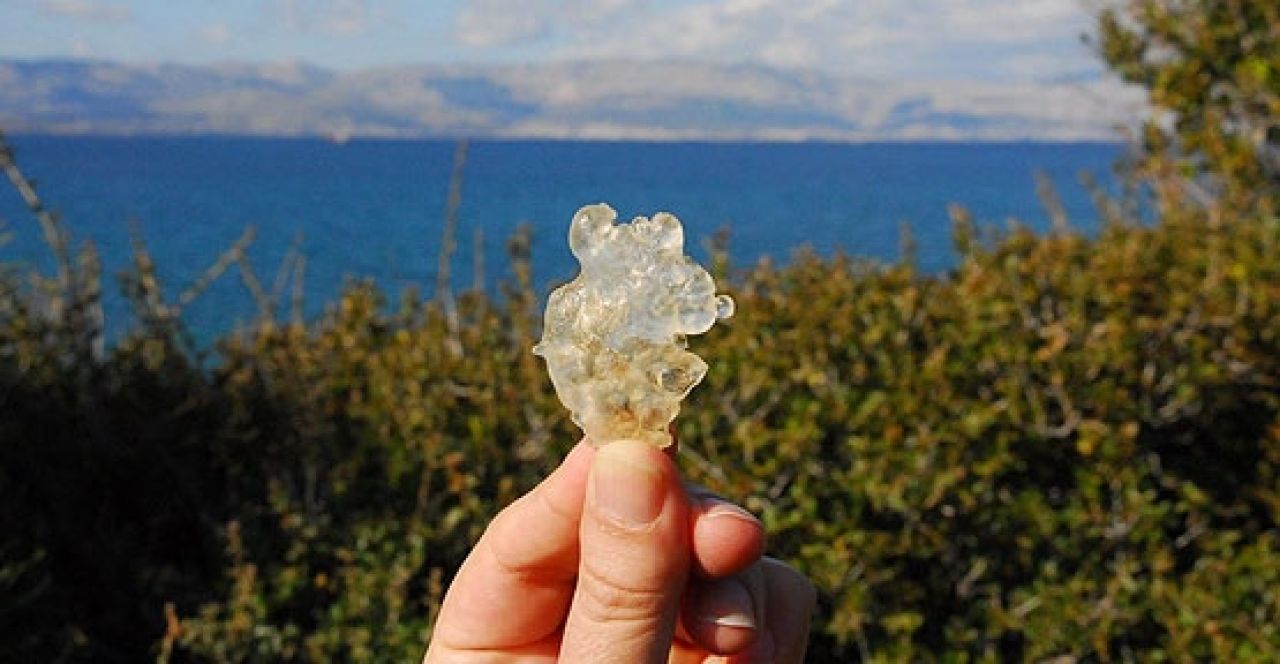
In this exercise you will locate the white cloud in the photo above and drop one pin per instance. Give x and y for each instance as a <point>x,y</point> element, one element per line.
<point>991,21</point>
<point>495,23</point>
<point>86,10</point>
<point>218,34</point>
<point>343,18</point>
<point>952,39</point>
<point>485,23</point>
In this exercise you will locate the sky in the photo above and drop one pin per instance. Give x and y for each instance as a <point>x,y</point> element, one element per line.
<point>993,41</point>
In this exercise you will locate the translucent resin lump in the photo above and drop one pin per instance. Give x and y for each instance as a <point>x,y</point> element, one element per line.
<point>614,337</point>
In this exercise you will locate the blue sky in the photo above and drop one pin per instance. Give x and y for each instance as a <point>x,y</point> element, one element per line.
<point>998,41</point>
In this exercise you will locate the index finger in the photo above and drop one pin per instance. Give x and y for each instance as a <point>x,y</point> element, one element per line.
<point>515,587</point>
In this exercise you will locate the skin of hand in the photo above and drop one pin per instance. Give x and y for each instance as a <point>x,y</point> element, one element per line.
<point>612,559</point>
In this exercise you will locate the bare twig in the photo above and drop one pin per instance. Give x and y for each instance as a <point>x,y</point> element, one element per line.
<point>266,308</point>
<point>295,304</point>
<point>477,260</point>
<point>88,302</point>
<point>1052,202</point>
<point>448,243</point>
<point>908,247</point>
<point>54,234</point>
<point>284,270</point>
<point>233,254</point>
<point>151,296</point>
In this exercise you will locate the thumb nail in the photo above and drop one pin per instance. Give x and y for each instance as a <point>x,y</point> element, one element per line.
<point>727,603</point>
<point>627,483</point>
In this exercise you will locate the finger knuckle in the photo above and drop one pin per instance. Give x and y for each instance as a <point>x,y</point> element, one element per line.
<point>605,597</point>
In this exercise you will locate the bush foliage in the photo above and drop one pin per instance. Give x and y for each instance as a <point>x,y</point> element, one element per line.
<point>1212,70</point>
<point>1067,448</point>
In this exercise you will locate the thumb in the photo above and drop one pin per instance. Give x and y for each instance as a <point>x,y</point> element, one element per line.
<point>634,545</point>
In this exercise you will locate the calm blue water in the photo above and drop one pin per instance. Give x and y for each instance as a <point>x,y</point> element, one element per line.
<point>374,208</point>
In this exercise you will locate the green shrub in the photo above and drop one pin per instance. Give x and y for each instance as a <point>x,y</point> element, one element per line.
<point>1212,72</point>
<point>1064,447</point>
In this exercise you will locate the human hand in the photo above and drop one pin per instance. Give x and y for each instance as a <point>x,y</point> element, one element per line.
<point>610,559</point>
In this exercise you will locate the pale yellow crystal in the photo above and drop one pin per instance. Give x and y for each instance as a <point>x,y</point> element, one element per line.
<point>614,337</point>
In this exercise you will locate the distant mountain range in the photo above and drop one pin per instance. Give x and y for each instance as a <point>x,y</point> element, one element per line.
<point>587,100</point>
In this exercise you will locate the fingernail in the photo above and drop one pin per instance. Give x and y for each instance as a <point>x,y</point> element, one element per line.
<point>728,604</point>
<point>626,485</point>
<point>718,508</point>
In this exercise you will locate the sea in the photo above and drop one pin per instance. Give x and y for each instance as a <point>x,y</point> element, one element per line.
<point>374,209</point>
